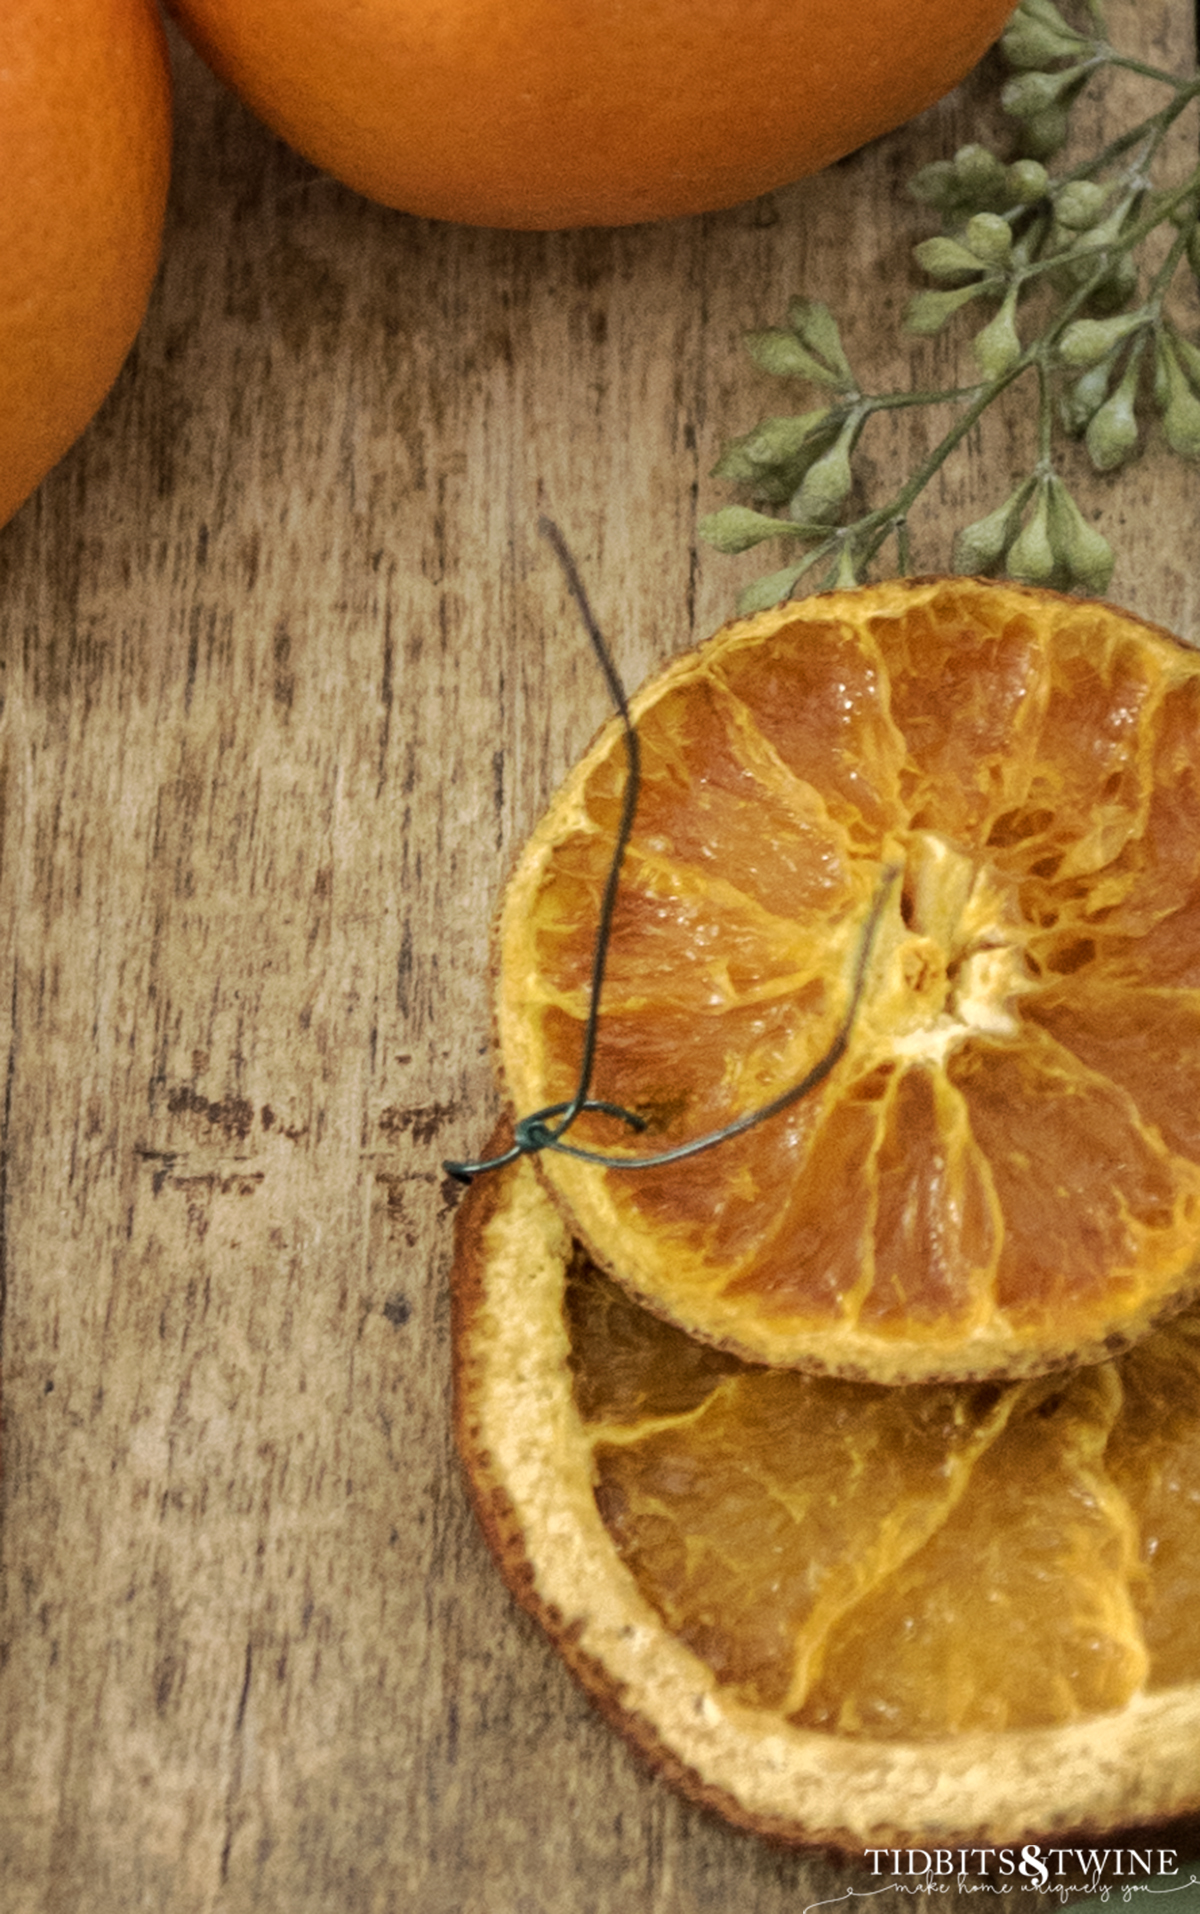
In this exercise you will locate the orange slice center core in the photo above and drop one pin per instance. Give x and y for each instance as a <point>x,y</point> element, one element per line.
<point>955,959</point>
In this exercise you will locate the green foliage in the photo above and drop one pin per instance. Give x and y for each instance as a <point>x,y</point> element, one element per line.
<point>1098,340</point>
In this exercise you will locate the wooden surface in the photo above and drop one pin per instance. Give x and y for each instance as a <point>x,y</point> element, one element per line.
<point>287,674</point>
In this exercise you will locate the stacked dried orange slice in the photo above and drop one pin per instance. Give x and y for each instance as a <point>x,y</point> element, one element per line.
<point>809,1449</point>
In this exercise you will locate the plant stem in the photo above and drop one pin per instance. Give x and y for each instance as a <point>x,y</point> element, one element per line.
<point>1087,273</point>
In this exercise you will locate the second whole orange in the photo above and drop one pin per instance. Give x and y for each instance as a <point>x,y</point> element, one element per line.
<point>548,114</point>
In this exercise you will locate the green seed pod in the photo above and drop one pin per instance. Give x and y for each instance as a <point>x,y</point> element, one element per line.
<point>946,259</point>
<point>1027,45</point>
<point>774,456</point>
<point>1031,558</point>
<point>1078,252</point>
<point>998,346</point>
<point>1045,134</point>
<point>1079,204</point>
<point>1027,181</point>
<point>1089,340</point>
<point>981,546</point>
<point>816,327</point>
<point>1181,423</point>
<point>1181,419</point>
<point>928,311</point>
<point>1083,554</point>
<point>1031,94</point>
<point>767,592</point>
<point>778,441</point>
<point>1188,356</point>
<point>782,353</point>
<point>766,488</point>
<point>737,528</point>
<point>980,175</point>
<point>1117,287</point>
<point>989,238</point>
<point>1044,11</point>
<point>825,485</point>
<point>1112,434</point>
<point>936,185</point>
<point>1085,397</point>
<point>1035,36</point>
<point>1105,233</point>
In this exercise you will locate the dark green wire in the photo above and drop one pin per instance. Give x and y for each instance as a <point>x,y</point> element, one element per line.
<point>545,1129</point>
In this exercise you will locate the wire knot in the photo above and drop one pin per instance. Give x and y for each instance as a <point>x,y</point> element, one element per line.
<point>533,1133</point>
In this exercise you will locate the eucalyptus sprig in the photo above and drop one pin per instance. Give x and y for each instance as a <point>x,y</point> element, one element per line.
<point>1101,343</point>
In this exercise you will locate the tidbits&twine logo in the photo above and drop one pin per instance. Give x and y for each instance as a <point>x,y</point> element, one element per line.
<point>1088,1878</point>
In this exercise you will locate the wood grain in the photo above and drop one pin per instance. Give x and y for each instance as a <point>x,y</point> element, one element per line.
<point>287,675</point>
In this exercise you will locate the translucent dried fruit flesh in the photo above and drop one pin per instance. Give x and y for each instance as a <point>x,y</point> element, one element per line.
<point>840,1611</point>
<point>910,1562</point>
<point>1003,1171</point>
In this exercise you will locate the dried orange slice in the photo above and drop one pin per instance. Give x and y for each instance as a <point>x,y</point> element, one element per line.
<point>839,1612</point>
<point>1002,1174</point>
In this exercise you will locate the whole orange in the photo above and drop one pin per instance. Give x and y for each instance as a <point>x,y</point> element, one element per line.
<point>559,113</point>
<point>85,130</point>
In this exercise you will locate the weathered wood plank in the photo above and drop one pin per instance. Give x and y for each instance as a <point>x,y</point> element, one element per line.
<point>287,675</point>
